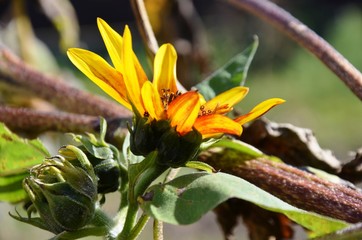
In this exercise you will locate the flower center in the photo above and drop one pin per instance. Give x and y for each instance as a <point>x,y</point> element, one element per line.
<point>167,97</point>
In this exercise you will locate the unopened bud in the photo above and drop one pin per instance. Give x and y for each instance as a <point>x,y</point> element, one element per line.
<point>64,195</point>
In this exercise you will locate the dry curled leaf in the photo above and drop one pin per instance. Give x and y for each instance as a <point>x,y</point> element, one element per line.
<point>294,145</point>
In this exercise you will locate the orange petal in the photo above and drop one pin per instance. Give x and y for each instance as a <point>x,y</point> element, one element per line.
<point>165,68</point>
<point>152,101</point>
<point>216,124</point>
<point>224,102</point>
<point>259,110</point>
<point>114,42</point>
<point>183,111</point>
<point>101,73</point>
<point>130,74</point>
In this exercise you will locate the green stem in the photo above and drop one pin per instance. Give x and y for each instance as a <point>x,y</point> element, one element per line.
<point>139,181</point>
<point>102,219</point>
<point>130,221</point>
<point>157,230</point>
<point>148,176</point>
<point>136,231</point>
<point>119,219</point>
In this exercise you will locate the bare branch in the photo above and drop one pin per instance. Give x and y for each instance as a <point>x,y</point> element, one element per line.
<point>144,26</point>
<point>34,121</point>
<point>297,187</point>
<point>307,38</point>
<point>55,90</point>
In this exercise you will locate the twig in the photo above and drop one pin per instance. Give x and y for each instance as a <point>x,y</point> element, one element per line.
<point>307,38</point>
<point>56,90</point>
<point>144,26</point>
<point>299,188</point>
<point>34,121</point>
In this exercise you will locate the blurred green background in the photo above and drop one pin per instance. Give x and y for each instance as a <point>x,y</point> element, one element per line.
<point>316,99</point>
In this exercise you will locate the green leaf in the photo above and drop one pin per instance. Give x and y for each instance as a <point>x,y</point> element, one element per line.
<point>17,155</point>
<point>11,188</point>
<point>229,152</point>
<point>128,156</point>
<point>186,199</point>
<point>247,150</point>
<point>100,152</point>
<point>232,74</point>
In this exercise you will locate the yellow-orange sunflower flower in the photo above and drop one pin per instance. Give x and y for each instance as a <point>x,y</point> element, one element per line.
<point>160,99</point>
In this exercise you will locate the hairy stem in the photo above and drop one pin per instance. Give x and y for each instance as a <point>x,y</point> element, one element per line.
<point>304,36</point>
<point>56,90</point>
<point>157,230</point>
<point>34,121</point>
<point>298,188</point>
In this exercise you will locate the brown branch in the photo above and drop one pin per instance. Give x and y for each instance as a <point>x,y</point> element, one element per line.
<point>297,187</point>
<point>144,26</point>
<point>34,121</point>
<point>56,90</point>
<point>307,38</point>
<point>145,29</point>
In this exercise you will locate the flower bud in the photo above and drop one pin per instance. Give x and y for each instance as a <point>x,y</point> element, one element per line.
<point>103,156</point>
<point>64,195</point>
<point>107,171</point>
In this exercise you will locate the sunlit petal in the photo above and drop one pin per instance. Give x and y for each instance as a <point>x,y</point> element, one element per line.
<point>259,110</point>
<point>165,68</point>
<point>130,73</point>
<point>101,73</point>
<point>224,102</point>
<point>152,101</point>
<point>114,42</point>
<point>202,99</point>
<point>216,124</point>
<point>183,111</point>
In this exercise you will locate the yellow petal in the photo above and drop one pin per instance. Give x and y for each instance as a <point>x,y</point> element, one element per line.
<point>216,124</point>
<point>152,101</point>
<point>224,102</point>
<point>114,42</point>
<point>101,73</point>
<point>259,110</point>
<point>130,74</point>
<point>183,111</point>
<point>202,99</point>
<point>165,68</point>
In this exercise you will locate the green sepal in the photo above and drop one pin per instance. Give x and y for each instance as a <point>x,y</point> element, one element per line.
<point>200,166</point>
<point>175,150</point>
